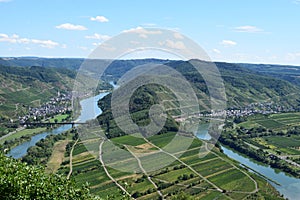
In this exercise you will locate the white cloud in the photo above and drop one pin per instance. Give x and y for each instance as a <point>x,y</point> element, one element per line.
<point>99,19</point>
<point>45,43</point>
<point>11,39</point>
<point>142,31</point>
<point>69,26</point>
<point>97,36</point>
<point>96,43</point>
<point>216,51</point>
<point>2,1</point>
<point>228,43</point>
<point>174,44</point>
<point>83,48</point>
<point>248,29</point>
<point>292,56</point>
<point>16,39</point>
<point>178,35</point>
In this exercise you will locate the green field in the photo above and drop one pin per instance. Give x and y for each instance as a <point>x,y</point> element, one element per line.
<point>23,133</point>
<point>129,140</point>
<point>287,118</point>
<point>269,123</point>
<point>263,136</point>
<point>174,178</point>
<point>59,118</point>
<point>273,121</point>
<point>287,145</point>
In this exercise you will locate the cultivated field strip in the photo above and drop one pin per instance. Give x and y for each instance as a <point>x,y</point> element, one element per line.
<point>205,175</point>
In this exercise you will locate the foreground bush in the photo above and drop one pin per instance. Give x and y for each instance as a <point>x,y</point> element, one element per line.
<point>21,181</point>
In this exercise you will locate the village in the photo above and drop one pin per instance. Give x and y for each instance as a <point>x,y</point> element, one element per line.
<point>57,105</point>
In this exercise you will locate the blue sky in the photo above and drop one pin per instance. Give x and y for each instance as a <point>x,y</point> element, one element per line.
<point>255,31</point>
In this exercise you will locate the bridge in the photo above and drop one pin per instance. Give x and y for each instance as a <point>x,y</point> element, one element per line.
<point>52,123</point>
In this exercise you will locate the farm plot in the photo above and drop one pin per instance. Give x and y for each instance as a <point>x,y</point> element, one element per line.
<point>206,168</point>
<point>129,140</point>
<point>233,180</point>
<point>269,123</point>
<point>287,145</point>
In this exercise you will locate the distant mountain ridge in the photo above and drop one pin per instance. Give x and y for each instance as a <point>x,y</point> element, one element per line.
<point>244,83</point>
<point>290,73</point>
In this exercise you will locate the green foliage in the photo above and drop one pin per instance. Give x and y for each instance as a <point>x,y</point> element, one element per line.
<point>182,196</point>
<point>41,152</point>
<point>265,145</point>
<point>139,105</point>
<point>20,181</point>
<point>30,86</point>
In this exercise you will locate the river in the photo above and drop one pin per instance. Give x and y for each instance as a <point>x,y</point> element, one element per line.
<point>289,186</point>
<point>88,112</point>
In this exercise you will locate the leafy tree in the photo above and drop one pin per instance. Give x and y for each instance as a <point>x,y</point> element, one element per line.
<point>21,181</point>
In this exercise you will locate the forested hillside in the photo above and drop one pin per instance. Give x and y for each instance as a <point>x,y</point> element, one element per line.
<point>22,87</point>
<point>244,83</point>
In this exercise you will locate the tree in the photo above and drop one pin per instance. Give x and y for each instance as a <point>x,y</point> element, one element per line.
<point>21,181</point>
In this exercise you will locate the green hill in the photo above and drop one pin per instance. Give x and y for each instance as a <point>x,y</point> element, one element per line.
<point>289,73</point>
<point>242,84</point>
<point>22,87</point>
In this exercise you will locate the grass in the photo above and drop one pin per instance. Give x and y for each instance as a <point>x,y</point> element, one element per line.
<point>273,121</point>
<point>59,118</point>
<point>248,124</point>
<point>269,123</point>
<point>284,115</point>
<point>141,187</point>
<point>233,180</point>
<point>93,177</point>
<point>106,191</point>
<point>210,195</point>
<point>25,132</point>
<point>196,159</point>
<point>86,166</point>
<point>173,175</point>
<point>281,141</point>
<point>286,145</point>
<point>57,156</point>
<point>79,148</point>
<point>129,140</point>
<point>162,140</point>
<point>210,167</point>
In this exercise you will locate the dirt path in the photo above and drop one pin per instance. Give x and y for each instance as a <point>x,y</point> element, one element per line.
<point>71,157</point>
<point>144,171</point>
<point>215,186</point>
<point>106,171</point>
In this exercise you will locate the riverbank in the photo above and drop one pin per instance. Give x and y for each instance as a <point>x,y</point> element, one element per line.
<point>89,110</point>
<point>15,138</point>
<point>286,185</point>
